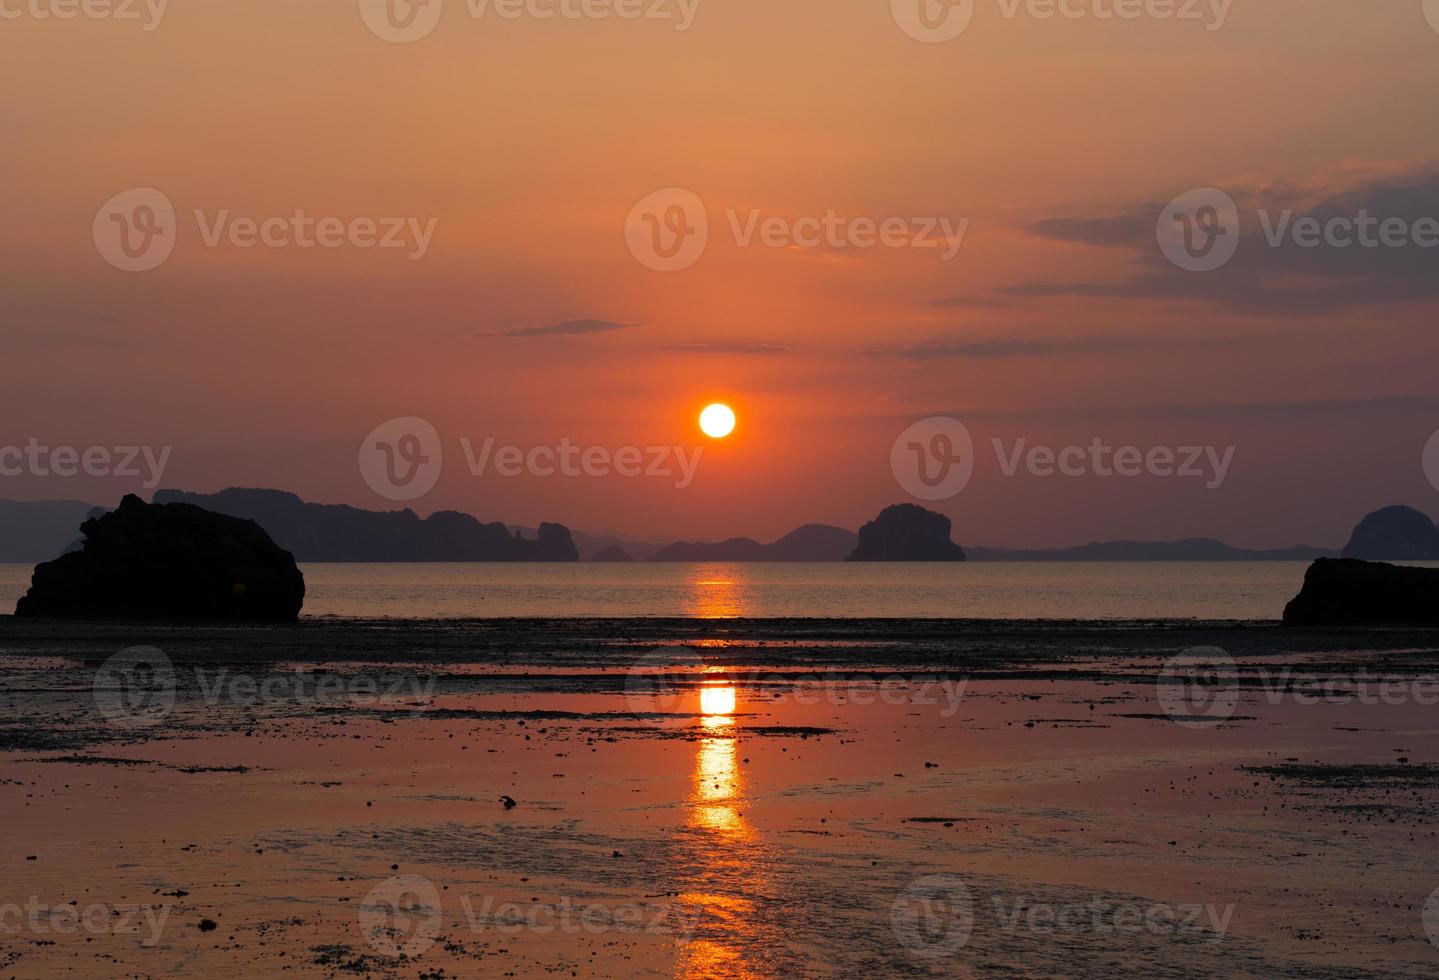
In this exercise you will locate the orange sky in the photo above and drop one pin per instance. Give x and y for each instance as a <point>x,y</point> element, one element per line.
<point>528,141</point>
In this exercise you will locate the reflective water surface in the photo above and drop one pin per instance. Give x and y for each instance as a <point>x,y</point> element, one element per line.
<point>979,590</point>
<point>1050,813</point>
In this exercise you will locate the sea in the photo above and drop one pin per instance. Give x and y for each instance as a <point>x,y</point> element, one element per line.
<point>967,590</point>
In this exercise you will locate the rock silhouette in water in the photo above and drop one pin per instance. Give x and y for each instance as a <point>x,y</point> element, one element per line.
<point>1345,592</point>
<point>1394,534</point>
<point>168,562</point>
<point>907,532</point>
<point>338,533</point>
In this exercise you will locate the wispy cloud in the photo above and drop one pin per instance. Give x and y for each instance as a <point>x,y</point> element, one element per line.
<point>977,302</point>
<point>727,349</point>
<point>1002,347</point>
<point>1265,278</point>
<point>568,328</point>
<point>1393,408</point>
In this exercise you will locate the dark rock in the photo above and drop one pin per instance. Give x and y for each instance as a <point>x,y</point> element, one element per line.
<point>907,532</point>
<point>1343,591</point>
<point>1394,534</point>
<point>338,533</point>
<point>612,553</point>
<point>168,562</point>
<point>554,544</point>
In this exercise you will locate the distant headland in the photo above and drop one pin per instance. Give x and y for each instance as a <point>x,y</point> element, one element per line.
<point>33,531</point>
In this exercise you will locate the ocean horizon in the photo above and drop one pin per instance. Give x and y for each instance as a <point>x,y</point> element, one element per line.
<point>1024,590</point>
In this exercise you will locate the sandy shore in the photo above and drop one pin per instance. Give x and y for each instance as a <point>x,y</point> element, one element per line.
<point>717,798</point>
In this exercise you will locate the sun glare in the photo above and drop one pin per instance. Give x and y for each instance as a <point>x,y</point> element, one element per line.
<point>717,421</point>
<point>717,700</point>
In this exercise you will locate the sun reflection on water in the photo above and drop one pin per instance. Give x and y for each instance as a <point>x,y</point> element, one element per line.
<point>717,787</point>
<point>717,592</point>
<point>717,703</point>
<point>724,846</point>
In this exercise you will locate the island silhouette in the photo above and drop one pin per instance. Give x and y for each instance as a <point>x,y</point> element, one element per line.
<point>32,531</point>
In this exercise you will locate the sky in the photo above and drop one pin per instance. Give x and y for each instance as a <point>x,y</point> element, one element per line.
<point>535,173</point>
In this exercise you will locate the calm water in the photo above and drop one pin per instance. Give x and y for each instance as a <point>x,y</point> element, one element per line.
<point>983,590</point>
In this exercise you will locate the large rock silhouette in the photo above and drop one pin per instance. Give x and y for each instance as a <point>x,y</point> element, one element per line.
<point>907,532</point>
<point>1347,592</point>
<point>168,562</point>
<point>1394,534</point>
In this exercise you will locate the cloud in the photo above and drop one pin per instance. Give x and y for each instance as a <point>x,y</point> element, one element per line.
<point>41,325</point>
<point>1121,231</point>
<point>978,302</point>
<point>1265,277</point>
<point>1003,347</point>
<point>568,328</point>
<point>727,349</point>
<point>1382,407</point>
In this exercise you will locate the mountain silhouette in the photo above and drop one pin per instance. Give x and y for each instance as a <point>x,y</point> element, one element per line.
<point>33,531</point>
<point>1190,549</point>
<point>812,542</point>
<point>339,533</point>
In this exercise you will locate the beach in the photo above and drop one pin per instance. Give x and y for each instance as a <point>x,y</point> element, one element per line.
<point>732,798</point>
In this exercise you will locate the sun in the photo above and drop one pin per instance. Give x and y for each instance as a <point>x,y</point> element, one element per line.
<point>717,421</point>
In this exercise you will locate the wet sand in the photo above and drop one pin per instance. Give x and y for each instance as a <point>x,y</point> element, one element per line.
<point>717,799</point>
